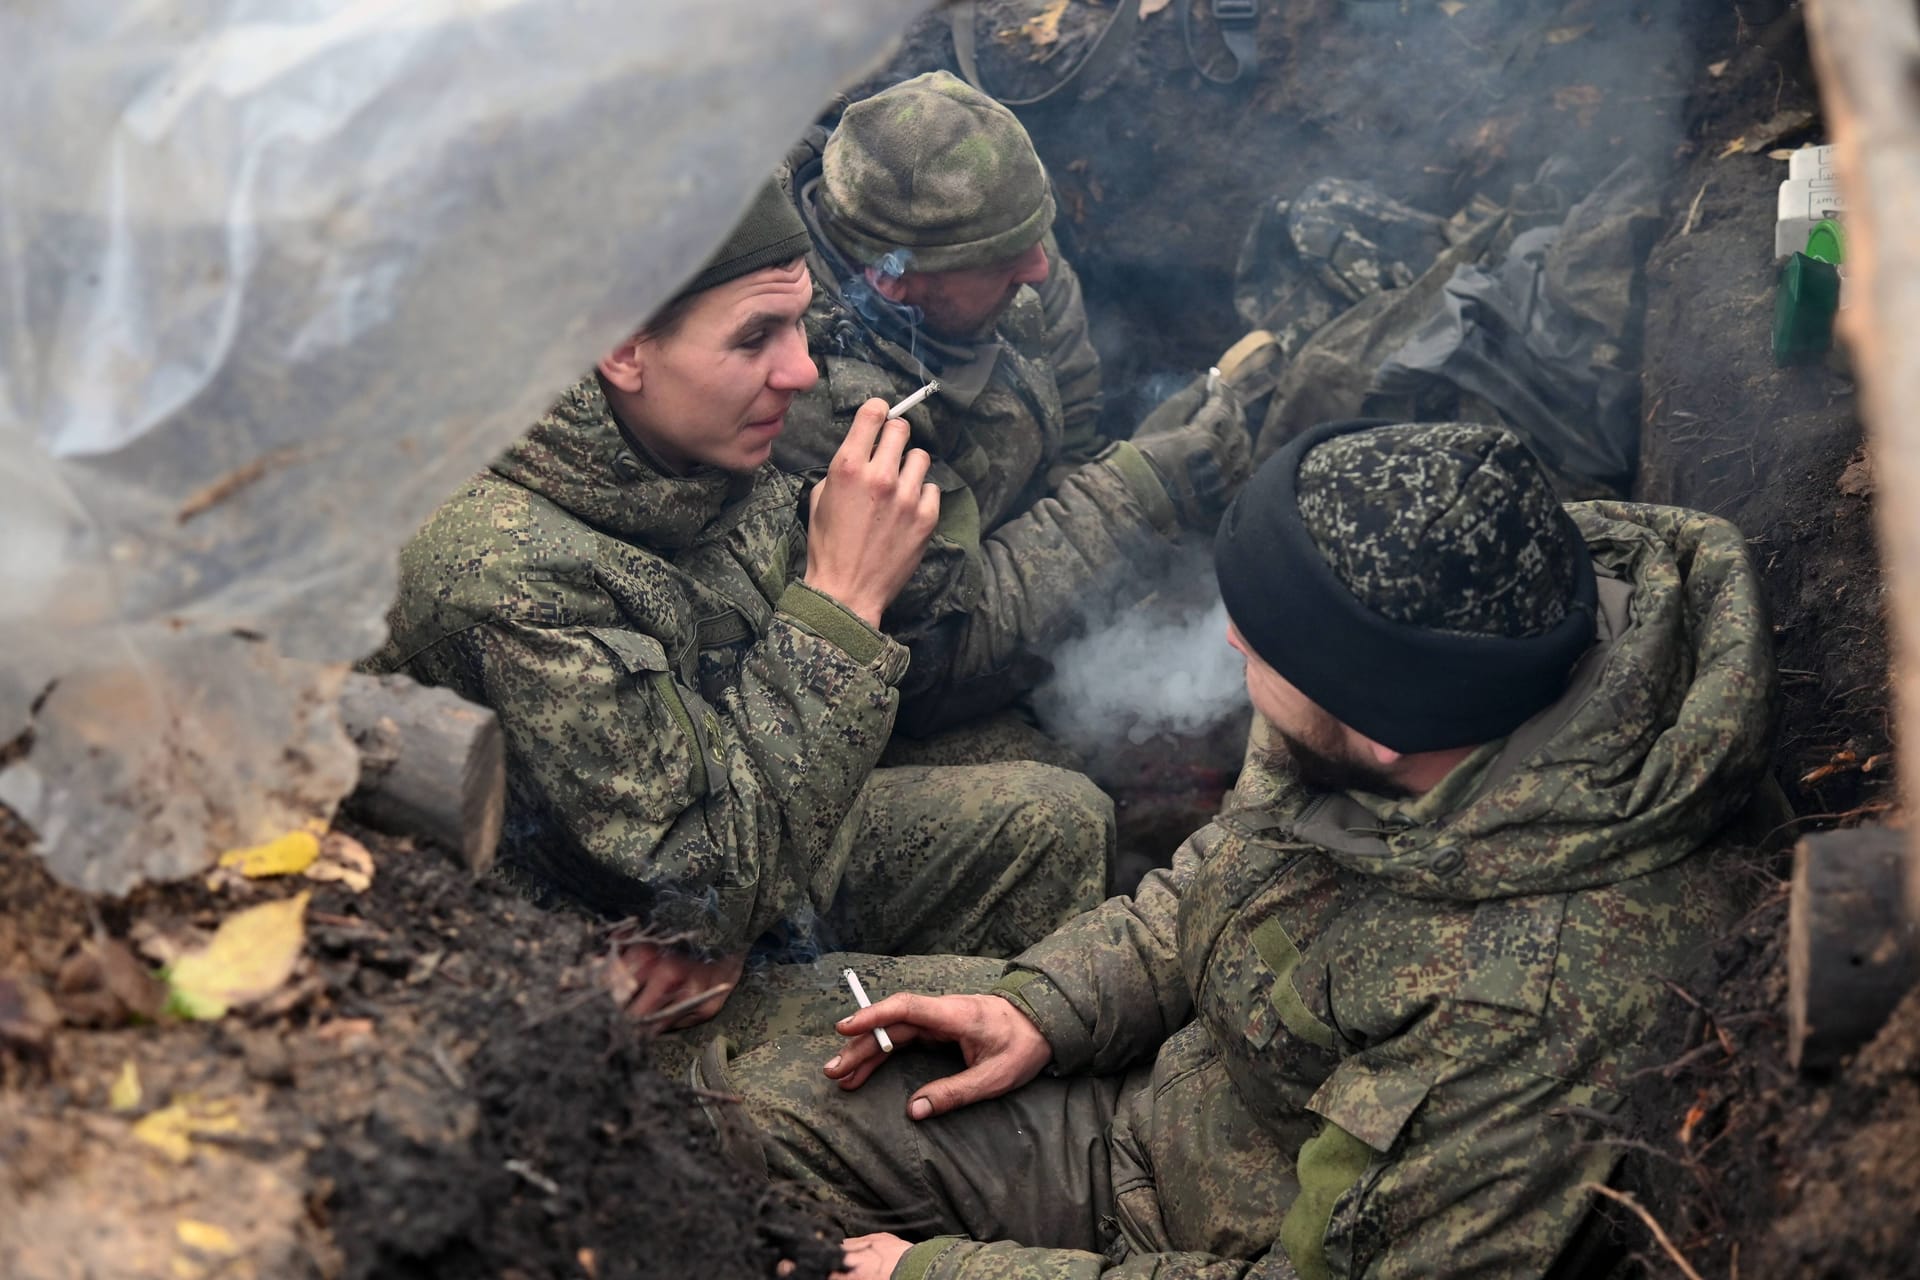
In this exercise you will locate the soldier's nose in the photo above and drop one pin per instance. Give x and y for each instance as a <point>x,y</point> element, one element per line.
<point>1031,267</point>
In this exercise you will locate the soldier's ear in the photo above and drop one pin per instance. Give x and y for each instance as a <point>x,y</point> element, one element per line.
<point>624,367</point>
<point>892,288</point>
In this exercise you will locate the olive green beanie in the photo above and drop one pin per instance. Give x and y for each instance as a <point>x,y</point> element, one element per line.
<point>769,233</point>
<point>934,172</point>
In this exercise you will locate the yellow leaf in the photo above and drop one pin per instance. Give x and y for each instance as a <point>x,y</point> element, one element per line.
<point>291,853</point>
<point>1043,28</point>
<point>1567,35</point>
<point>1452,8</point>
<point>205,1237</point>
<point>125,1094</point>
<point>172,1129</point>
<point>251,955</point>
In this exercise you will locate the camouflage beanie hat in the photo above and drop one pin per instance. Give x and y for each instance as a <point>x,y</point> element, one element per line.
<point>936,172</point>
<point>1420,582</point>
<point>769,233</point>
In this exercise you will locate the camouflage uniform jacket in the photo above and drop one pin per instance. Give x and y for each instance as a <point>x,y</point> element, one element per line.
<point>686,725</point>
<point>1369,1035</point>
<point>1036,512</point>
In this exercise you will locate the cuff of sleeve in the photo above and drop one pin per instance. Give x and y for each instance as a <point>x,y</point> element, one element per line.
<point>1143,481</point>
<point>921,1261</point>
<point>831,621</point>
<point>1033,994</point>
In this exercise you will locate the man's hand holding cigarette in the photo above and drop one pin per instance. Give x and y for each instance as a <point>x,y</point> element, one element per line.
<point>1002,1048</point>
<point>871,516</point>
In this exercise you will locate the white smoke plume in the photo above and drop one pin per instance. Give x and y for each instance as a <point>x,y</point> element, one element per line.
<point>1162,667</point>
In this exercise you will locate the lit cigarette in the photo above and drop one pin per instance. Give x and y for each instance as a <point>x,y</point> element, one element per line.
<point>1213,379</point>
<point>895,412</point>
<point>853,979</point>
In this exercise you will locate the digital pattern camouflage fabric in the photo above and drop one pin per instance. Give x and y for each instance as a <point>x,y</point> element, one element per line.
<point>1342,1035</point>
<point>1448,525</point>
<point>1039,517</point>
<point>933,175</point>
<point>688,728</point>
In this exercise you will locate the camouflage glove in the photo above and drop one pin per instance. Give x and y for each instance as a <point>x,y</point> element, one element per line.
<point>1198,445</point>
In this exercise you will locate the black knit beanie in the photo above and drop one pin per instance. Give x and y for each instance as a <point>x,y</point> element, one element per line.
<point>1422,583</point>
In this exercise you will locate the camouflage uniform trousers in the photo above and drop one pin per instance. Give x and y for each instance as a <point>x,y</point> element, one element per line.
<point>872,1169</point>
<point>966,861</point>
<point>999,738</point>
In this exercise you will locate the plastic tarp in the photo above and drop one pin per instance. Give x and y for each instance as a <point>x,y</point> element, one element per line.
<point>274,277</point>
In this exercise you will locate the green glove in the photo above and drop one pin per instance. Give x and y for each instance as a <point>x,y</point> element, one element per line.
<point>1199,447</point>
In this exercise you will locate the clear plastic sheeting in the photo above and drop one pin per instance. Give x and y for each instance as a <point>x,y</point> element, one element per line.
<point>274,277</point>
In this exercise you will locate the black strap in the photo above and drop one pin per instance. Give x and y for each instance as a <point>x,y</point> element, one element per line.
<point>1235,21</point>
<point>1102,55</point>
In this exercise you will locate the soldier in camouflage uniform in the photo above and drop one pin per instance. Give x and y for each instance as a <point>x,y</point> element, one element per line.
<point>691,725</point>
<point>932,259</point>
<point>1374,1018</point>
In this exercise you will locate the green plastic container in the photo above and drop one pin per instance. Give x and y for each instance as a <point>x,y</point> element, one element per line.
<point>1803,310</point>
<point>1827,242</point>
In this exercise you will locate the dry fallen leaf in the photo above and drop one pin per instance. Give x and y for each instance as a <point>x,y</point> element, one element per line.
<point>1452,8</point>
<point>292,853</point>
<point>251,955</point>
<point>1857,480</point>
<point>1150,7</point>
<point>205,1236</point>
<point>1043,28</point>
<point>343,860</point>
<point>1718,69</point>
<point>172,1129</point>
<point>125,1094</point>
<point>1567,35</point>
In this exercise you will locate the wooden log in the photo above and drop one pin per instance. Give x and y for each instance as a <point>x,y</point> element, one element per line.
<point>1852,953</point>
<point>432,764</point>
<point>1867,55</point>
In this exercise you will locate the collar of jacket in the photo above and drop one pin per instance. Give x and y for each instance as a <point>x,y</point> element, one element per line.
<point>963,369</point>
<point>578,458</point>
<point>1653,749</point>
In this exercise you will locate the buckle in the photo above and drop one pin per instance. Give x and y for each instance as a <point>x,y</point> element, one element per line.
<point>1235,10</point>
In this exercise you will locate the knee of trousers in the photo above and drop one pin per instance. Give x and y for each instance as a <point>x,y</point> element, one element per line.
<point>1062,814</point>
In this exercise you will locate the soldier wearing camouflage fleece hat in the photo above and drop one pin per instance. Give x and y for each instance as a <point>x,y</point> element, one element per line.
<point>1376,1018</point>
<point>933,259</point>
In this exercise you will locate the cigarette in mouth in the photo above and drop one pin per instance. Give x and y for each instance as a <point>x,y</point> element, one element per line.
<point>905,405</point>
<point>1213,379</point>
<point>853,979</point>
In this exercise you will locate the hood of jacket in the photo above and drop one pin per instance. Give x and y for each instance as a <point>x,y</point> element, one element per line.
<point>1658,742</point>
<point>579,458</point>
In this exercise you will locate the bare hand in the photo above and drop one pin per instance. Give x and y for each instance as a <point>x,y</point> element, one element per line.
<point>669,990</point>
<point>872,1257</point>
<point>1002,1048</point>
<point>871,517</point>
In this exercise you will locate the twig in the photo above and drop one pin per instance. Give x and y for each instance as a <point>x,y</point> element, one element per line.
<point>1693,210</point>
<point>552,1188</point>
<point>681,1006</point>
<point>448,1068</point>
<point>564,1007</point>
<point>1679,1259</point>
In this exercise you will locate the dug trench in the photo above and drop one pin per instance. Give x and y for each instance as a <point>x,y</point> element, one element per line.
<point>443,1090</point>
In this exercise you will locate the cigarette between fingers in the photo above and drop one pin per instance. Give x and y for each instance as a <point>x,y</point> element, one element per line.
<point>860,994</point>
<point>908,403</point>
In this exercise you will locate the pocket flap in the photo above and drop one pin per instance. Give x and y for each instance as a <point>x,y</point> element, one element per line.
<point>1371,1099</point>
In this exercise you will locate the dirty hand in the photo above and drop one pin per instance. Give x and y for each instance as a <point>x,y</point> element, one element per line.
<point>672,989</point>
<point>872,1257</point>
<point>1002,1048</point>
<point>871,516</point>
<point>1198,444</point>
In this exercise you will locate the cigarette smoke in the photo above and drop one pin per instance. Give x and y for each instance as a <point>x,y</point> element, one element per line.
<point>1161,667</point>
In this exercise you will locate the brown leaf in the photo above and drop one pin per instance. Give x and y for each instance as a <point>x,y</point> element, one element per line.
<point>1567,35</point>
<point>28,1015</point>
<point>144,995</point>
<point>1150,7</point>
<point>343,860</point>
<point>1857,480</point>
